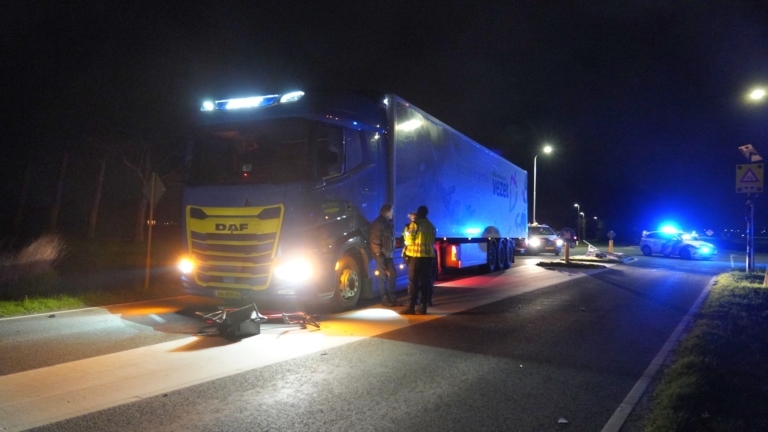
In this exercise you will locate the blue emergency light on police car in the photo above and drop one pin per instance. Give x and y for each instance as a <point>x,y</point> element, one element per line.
<point>251,102</point>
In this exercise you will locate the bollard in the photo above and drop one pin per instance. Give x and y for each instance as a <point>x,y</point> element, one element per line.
<point>610,246</point>
<point>567,252</point>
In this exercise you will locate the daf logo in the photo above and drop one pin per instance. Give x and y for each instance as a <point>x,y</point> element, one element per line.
<point>232,227</point>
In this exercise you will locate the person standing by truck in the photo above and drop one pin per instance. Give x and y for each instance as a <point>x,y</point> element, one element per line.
<point>419,238</point>
<point>382,239</point>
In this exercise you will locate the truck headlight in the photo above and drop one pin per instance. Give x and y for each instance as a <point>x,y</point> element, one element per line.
<point>295,270</point>
<point>535,242</point>
<point>186,265</point>
<point>559,242</point>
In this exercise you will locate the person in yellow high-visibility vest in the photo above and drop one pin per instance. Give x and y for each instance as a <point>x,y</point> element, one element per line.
<point>419,239</point>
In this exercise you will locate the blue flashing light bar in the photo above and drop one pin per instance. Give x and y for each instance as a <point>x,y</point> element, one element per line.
<point>472,231</point>
<point>669,229</point>
<point>251,102</point>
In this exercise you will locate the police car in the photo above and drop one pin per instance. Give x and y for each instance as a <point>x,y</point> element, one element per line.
<point>542,238</point>
<point>672,242</point>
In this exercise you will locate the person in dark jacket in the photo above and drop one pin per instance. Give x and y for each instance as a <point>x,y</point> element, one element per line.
<point>382,240</point>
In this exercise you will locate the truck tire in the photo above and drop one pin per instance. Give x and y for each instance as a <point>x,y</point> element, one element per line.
<point>492,251</point>
<point>348,281</point>
<point>503,257</point>
<point>510,245</point>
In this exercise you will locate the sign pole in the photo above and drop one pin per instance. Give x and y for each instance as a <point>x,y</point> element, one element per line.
<point>149,235</point>
<point>749,180</point>
<point>750,234</point>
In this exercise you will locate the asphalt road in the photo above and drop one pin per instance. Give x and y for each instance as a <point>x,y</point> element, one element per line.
<point>571,350</point>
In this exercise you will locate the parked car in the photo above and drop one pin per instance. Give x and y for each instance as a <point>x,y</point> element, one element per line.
<point>682,244</point>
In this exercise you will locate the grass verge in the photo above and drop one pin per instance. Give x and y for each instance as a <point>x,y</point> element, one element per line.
<point>718,380</point>
<point>87,273</point>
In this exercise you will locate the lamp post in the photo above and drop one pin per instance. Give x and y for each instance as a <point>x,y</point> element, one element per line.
<point>583,225</point>
<point>757,95</point>
<point>578,230</point>
<point>546,149</point>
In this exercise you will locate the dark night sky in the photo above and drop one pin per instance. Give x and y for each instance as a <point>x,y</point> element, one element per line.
<point>643,101</point>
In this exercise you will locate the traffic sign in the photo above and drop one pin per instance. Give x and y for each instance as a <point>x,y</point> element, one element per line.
<point>159,189</point>
<point>750,153</point>
<point>611,235</point>
<point>749,178</point>
<point>709,232</point>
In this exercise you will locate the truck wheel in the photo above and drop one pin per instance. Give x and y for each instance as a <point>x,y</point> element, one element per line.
<point>502,254</point>
<point>510,245</point>
<point>348,280</point>
<point>647,251</point>
<point>493,257</point>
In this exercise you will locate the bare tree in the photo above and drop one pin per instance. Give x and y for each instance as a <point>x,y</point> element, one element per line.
<point>23,198</point>
<point>59,191</point>
<point>143,170</point>
<point>94,214</point>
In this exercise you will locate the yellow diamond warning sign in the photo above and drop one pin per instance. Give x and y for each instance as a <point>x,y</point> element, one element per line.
<point>749,178</point>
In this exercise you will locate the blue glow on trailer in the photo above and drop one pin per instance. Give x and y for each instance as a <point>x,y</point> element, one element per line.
<point>472,231</point>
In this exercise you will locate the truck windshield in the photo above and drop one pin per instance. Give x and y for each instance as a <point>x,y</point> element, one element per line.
<point>274,151</point>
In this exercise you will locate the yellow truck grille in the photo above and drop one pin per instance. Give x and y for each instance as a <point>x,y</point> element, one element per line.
<point>234,247</point>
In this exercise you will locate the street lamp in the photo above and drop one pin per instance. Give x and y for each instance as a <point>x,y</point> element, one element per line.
<point>546,149</point>
<point>578,230</point>
<point>582,226</point>
<point>757,94</point>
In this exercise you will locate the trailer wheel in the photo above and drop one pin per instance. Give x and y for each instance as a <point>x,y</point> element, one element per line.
<point>347,284</point>
<point>503,258</point>
<point>492,251</point>
<point>509,245</point>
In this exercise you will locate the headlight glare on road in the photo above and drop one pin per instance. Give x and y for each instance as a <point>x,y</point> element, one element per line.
<point>186,265</point>
<point>535,242</point>
<point>295,270</point>
<point>559,242</point>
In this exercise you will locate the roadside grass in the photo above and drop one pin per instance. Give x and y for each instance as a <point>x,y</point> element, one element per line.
<point>79,273</point>
<point>718,380</point>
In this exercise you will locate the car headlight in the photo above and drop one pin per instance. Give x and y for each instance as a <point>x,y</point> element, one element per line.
<point>186,265</point>
<point>535,242</point>
<point>705,249</point>
<point>559,242</point>
<point>295,270</point>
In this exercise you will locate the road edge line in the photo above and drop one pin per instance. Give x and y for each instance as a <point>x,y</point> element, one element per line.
<point>619,417</point>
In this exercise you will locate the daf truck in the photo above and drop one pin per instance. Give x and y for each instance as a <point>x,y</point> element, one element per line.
<point>281,190</point>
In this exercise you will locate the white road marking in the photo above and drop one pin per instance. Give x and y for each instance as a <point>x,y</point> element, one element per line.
<point>42,396</point>
<point>157,318</point>
<point>622,412</point>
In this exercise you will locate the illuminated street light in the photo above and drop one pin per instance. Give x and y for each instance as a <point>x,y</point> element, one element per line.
<point>757,94</point>
<point>578,226</point>
<point>546,149</point>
